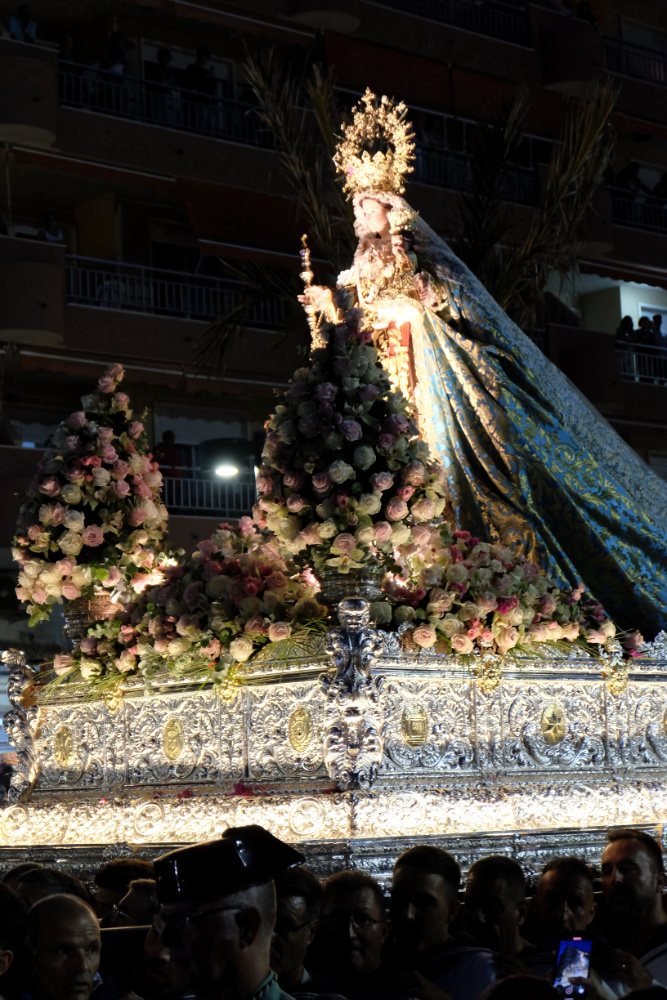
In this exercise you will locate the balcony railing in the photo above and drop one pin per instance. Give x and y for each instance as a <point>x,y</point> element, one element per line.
<point>125,96</point>
<point>490,18</point>
<point>447,169</point>
<point>105,284</point>
<point>210,497</point>
<point>630,60</point>
<point>644,364</point>
<point>628,211</point>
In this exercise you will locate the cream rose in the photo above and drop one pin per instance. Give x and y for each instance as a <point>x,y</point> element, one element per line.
<point>241,648</point>
<point>70,543</point>
<point>425,636</point>
<point>461,643</point>
<point>279,631</point>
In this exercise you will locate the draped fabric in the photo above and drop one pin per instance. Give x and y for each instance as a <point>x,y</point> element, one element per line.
<point>530,462</point>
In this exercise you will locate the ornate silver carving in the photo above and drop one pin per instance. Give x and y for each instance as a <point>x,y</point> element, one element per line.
<point>20,724</point>
<point>354,709</point>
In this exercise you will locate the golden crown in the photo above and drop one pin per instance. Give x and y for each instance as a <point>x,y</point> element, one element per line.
<point>401,220</point>
<point>375,123</point>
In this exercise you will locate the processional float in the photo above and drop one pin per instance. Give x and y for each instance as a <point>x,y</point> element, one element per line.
<point>353,668</point>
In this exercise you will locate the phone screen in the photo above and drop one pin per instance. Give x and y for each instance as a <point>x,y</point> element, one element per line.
<point>574,959</point>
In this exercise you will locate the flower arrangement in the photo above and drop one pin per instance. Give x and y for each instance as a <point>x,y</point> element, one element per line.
<point>231,597</point>
<point>345,478</point>
<point>93,517</point>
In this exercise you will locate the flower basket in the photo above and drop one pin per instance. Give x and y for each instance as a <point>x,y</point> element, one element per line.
<point>335,586</point>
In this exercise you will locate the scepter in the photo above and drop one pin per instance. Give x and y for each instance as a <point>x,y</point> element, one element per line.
<point>307,276</point>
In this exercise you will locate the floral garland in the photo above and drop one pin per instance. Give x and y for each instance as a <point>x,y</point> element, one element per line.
<point>93,516</point>
<point>230,598</point>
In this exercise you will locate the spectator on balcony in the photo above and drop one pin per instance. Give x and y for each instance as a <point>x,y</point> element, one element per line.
<point>51,231</point>
<point>625,334</point>
<point>644,334</point>
<point>161,71</point>
<point>629,183</point>
<point>115,58</point>
<point>659,335</point>
<point>22,27</point>
<point>169,455</point>
<point>659,192</point>
<point>199,77</point>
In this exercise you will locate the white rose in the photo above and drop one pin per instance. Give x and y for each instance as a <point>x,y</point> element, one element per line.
<point>101,476</point>
<point>178,646</point>
<point>364,535</point>
<point>70,493</point>
<point>369,503</point>
<point>89,668</point>
<point>452,625</point>
<point>400,534</point>
<point>75,520</point>
<point>70,543</point>
<point>153,479</point>
<point>241,648</point>
<point>82,576</point>
<point>328,529</point>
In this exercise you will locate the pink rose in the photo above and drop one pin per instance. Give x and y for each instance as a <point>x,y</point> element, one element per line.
<point>382,481</point>
<point>279,631</point>
<point>93,535</point>
<point>113,578</point>
<point>548,605</point>
<point>140,487</point>
<point>106,383</point>
<point>65,566</point>
<point>413,473</point>
<point>294,480</point>
<point>507,604</point>
<point>344,543</point>
<point>487,601</point>
<point>105,434</point>
<point>634,640</point>
<point>76,420</point>
<point>326,392</point>
<point>72,442</point>
<point>276,580</point>
<point>507,639</point>
<point>321,482</point>
<point>62,662</point>
<point>382,531</point>
<point>121,488</point>
<point>425,636</point>
<point>461,643</point>
<point>138,515</point>
<point>71,591</point>
<point>295,503</point>
<point>351,430</point>
<point>385,441</point>
<point>49,487</point>
<point>396,509</point>
<point>109,455</point>
<point>136,427</point>
<point>213,650</point>
<point>264,483</point>
<point>88,646</point>
<point>395,424</point>
<point>38,596</point>
<point>595,636</point>
<point>121,398</point>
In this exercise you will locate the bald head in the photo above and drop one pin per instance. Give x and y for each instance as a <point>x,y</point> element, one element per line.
<point>64,937</point>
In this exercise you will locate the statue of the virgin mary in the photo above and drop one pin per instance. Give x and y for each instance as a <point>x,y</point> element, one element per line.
<point>529,462</point>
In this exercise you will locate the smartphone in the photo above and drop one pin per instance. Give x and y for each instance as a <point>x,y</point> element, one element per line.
<point>574,960</point>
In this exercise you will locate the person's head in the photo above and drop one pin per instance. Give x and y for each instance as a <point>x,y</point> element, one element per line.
<point>12,927</point>
<point>218,909</point>
<point>633,875</point>
<point>112,882</point>
<point>657,321</point>
<point>168,437</point>
<point>375,215</point>
<point>139,905</point>
<point>564,902</point>
<point>37,883</point>
<point>495,903</point>
<point>627,323</point>
<point>522,988</point>
<point>299,896</point>
<point>424,901</point>
<point>644,323</point>
<point>13,876</point>
<point>64,941</point>
<point>354,924</point>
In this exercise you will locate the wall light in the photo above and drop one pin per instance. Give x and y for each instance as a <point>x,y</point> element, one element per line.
<point>226,470</point>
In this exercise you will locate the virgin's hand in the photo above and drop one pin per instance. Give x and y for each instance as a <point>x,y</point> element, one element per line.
<point>315,295</point>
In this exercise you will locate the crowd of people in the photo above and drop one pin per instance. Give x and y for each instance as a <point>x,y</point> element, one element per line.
<point>242,918</point>
<point>648,335</point>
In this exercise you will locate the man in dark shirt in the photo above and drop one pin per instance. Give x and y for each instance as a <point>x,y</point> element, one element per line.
<point>495,905</point>
<point>423,905</point>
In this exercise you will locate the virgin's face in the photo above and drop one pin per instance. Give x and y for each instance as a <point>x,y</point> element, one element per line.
<point>375,215</point>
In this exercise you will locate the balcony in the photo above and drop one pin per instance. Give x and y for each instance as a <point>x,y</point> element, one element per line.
<point>493,19</point>
<point>627,211</point>
<point>644,364</point>
<point>132,97</point>
<point>106,284</point>
<point>446,169</point>
<point>630,60</point>
<point>210,497</point>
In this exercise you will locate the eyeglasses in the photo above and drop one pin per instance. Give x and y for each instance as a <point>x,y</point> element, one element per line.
<point>341,921</point>
<point>180,921</point>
